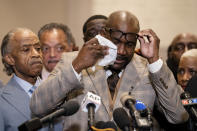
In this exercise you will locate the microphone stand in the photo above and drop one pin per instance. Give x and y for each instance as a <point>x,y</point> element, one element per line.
<point>51,125</point>
<point>133,120</point>
<point>91,107</point>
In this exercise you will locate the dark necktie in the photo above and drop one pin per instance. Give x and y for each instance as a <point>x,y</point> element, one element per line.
<point>112,81</point>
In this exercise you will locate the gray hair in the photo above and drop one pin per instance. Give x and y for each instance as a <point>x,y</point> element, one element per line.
<point>64,28</point>
<point>6,49</point>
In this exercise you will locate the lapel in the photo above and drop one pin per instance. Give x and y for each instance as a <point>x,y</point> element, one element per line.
<point>130,78</point>
<point>98,79</point>
<point>17,97</point>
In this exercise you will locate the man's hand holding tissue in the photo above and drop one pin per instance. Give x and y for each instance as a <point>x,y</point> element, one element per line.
<point>89,54</point>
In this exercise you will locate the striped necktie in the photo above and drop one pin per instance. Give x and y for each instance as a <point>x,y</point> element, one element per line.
<point>112,81</point>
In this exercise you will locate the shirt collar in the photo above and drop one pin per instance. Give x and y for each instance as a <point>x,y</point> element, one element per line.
<point>26,86</point>
<point>45,74</point>
<point>108,73</point>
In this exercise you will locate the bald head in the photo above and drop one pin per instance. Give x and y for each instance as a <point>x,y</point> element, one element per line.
<point>184,37</point>
<point>122,28</point>
<point>123,19</point>
<point>181,43</point>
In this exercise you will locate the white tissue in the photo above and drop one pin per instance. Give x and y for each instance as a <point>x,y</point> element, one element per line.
<point>111,57</point>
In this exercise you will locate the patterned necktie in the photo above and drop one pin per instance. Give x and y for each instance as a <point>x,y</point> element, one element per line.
<point>112,81</point>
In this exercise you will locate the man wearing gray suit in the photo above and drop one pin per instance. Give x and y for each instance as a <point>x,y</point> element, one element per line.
<point>21,56</point>
<point>147,78</point>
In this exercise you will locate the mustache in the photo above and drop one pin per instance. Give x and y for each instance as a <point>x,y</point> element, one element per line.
<point>121,57</point>
<point>36,61</point>
<point>53,61</point>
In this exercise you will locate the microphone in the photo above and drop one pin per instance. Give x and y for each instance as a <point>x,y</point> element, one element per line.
<point>90,104</point>
<point>129,103</point>
<point>189,107</point>
<point>189,102</point>
<point>144,112</point>
<point>122,119</point>
<point>141,107</point>
<point>106,125</point>
<point>69,108</point>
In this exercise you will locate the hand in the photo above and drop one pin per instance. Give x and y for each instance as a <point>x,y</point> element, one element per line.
<point>150,48</point>
<point>89,54</point>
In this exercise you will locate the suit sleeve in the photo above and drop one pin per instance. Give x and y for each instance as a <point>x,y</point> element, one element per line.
<point>2,128</point>
<point>54,90</point>
<point>168,95</point>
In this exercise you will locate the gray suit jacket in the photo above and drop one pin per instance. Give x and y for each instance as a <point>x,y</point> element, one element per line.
<point>14,109</point>
<point>136,79</point>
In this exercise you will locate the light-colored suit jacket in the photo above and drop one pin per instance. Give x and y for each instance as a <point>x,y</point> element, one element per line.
<point>14,109</point>
<point>136,79</point>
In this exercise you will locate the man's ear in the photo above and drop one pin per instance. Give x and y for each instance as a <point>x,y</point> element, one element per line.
<point>9,59</point>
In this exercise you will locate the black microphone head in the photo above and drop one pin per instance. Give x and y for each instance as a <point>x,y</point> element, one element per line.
<point>110,124</point>
<point>191,86</point>
<point>70,107</point>
<point>100,124</point>
<point>121,118</point>
<point>185,95</point>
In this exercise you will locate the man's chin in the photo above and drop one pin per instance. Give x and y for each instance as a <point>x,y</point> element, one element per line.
<point>118,66</point>
<point>50,67</point>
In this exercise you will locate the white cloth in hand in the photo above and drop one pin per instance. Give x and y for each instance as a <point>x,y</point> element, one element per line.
<point>111,57</point>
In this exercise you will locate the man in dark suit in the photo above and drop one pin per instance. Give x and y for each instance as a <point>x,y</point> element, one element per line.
<point>147,79</point>
<point>21,56</point>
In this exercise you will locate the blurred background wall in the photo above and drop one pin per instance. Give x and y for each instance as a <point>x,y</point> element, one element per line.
<point>166,17</point>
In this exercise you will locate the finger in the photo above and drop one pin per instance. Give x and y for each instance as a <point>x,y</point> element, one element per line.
<point>99,54</point>
<point>92,41</point>
<point>150,34</point>
<point>141,39</point>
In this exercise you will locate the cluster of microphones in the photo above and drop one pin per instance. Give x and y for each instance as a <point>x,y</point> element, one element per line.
<point>139,117</point>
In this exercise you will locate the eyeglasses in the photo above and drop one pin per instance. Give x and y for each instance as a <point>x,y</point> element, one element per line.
<point>117,35</point>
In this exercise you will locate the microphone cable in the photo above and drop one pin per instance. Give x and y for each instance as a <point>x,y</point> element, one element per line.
<point>106,129</point>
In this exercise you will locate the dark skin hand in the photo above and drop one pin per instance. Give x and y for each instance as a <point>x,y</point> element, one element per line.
<point>89,54</point>
<point>149,48</point>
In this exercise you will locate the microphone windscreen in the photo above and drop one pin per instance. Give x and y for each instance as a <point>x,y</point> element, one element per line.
<point>100,124</point>
<point>110,124</point>
<point>121,118</point>
<point>126,97</point>
<point>185,95</point>
<point>191,86</point>
<point>70,107</point>
<point>141,107</point>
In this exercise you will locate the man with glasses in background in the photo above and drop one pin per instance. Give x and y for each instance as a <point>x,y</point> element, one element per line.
<point>181,43</point>
<point>140,77</point>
